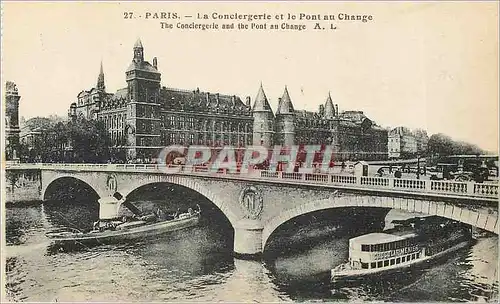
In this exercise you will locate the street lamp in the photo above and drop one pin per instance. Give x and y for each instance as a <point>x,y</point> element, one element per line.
<point>418,166</point>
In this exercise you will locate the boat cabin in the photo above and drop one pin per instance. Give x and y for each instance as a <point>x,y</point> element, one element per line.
<point>376,250</point>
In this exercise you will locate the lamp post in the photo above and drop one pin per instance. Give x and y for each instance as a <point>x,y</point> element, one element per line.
<point>418,166</point>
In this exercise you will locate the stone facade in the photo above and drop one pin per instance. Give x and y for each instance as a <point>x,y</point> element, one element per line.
<point>404,143</point>
<point>144,117</point>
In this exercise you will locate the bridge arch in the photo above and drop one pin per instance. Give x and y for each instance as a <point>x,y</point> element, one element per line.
<point>220,202</point>
<point>88,182</point>
<point>486,221</point>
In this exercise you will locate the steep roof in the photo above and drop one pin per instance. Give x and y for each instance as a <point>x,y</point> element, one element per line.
<point>285,105</point>
<point>143,66</point>
<point>307,114</point>
<point>400,131</point>
<point>199,100</point>
<point>138,43</point>
<point>329,110</point>
<point>261,103</point>
<point>355,116</point>
<point>121,93</point>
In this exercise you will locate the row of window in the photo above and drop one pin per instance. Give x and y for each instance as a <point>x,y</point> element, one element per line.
<point>388,246</point>
<point>115,121</point>
<point>86,99</point>
<point>180,122</point>
<point>391,262</point>
<point>315,123</point>
<point>209,139</point>
<point>145,111</point>
<point>145,141</point>
<point>118,138</point>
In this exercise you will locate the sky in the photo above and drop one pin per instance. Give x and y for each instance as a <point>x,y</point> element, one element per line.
<point>422,65</point>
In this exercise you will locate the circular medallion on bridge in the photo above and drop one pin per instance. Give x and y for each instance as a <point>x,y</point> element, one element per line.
<point>251,200</point>
<point>111,183</point>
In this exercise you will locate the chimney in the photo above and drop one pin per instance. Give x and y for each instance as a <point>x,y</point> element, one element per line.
<point>336,110</point>
<point>217,99</point>
<point>247,102</point>
<point>233,100</point>
<point>155,63</point>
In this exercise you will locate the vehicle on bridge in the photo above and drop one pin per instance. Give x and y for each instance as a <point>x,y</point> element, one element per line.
<point>412,243</point>
<point>442,171</point>
<point>476,168</point>
<point>450,171</point>
<point>128,228</point>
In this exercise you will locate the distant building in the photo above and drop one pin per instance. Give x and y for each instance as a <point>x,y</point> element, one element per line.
<point>11,122</point>
<point>144,117</point>
<point>402,143</point>
<point>422,140</point>
<point>33,134</point>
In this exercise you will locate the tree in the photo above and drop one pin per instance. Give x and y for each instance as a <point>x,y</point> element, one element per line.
<point>90,140</point>
<point>441,144</point>
<point>77,140</point>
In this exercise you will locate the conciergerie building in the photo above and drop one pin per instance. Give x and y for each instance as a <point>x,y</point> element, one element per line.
<point>144,117</point>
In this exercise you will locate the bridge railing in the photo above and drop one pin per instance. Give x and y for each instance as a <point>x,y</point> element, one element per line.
<point>364,182</point>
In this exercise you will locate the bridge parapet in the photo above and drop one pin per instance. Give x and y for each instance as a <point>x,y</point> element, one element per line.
<point>258,202</point>
<point>488,191</point>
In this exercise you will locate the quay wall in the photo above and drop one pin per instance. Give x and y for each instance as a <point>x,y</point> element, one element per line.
<point>23,185</point>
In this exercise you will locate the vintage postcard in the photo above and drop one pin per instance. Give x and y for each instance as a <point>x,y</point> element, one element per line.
<point>249,151</point>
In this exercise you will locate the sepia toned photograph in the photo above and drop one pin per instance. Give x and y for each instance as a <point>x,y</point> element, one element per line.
<point>244,152</point>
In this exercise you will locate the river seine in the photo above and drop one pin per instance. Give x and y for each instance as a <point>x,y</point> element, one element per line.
<point>196,264</point>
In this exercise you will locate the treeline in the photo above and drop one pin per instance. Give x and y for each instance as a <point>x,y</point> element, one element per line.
<point>78,140</point>
<point>441,144</point>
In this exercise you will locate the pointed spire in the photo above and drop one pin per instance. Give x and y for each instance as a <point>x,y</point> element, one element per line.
<point>261,103</point>
<point>329,109</point>
<point>285,106</point>
<point>138,51</point>
<point>138,43</point>
<point>100,80</point>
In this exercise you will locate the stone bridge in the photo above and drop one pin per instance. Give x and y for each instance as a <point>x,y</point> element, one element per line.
<point>258,202</point>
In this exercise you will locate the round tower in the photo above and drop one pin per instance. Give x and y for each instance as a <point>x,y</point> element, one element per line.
<point>285,120</point>
<point>263,120</point>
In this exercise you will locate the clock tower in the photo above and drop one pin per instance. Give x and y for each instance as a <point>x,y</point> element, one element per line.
<point>143,107</point>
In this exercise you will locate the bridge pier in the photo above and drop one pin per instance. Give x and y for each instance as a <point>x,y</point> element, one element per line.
<point>248,239</point>
<point>108,207</point>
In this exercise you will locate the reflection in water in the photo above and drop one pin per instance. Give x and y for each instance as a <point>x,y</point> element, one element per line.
<point>196,264</point>
<point>248,282</point>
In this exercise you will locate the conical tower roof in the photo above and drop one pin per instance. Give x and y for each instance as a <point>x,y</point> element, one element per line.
<point>285,106</point>
<point>261,103</point>
<point>138,43</point>
<point>329,109</point>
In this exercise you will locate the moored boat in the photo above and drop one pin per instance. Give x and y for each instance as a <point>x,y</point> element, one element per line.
<point>126,229</point>
<point>414,242</point>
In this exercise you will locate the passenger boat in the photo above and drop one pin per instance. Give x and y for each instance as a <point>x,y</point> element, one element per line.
<point>411,243</point>
<point>122,230</point>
